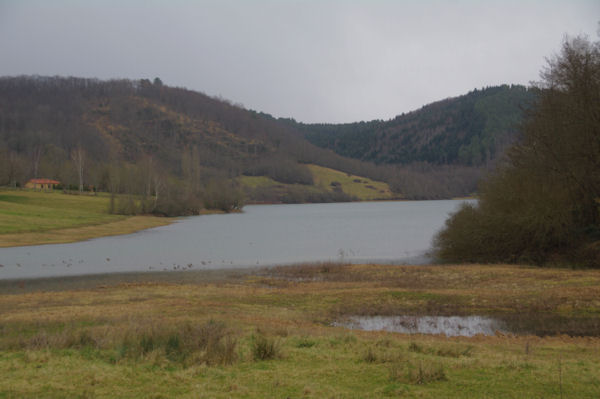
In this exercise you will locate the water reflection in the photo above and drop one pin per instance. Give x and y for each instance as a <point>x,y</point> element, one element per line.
<point>451,326</point>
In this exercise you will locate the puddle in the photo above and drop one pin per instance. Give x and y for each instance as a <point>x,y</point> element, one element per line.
<point>451,326</point>
<point>539,324</point>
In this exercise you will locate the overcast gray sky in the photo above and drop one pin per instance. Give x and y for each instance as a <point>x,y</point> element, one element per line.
<point>316,61</point>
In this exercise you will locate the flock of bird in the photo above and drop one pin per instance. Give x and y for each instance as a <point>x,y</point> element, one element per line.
<point>174,266</point>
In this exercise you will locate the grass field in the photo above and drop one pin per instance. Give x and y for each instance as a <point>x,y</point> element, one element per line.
<point>357,186</point>
<point>267,333</point>
<point>327,180</point>
<point>257,181</point>
<point>35,217</point>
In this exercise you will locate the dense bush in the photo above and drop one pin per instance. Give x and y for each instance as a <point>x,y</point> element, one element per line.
<point>177,198</point>
<point>544,204</point>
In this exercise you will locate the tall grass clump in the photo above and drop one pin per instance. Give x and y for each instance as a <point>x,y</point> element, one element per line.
<point>265,348</point>
<point>210,343</point>
<point>443,350</point>
<point>417,374</point>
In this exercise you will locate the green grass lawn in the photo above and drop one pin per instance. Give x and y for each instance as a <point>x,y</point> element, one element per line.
<point>257,181</point>
<point>37,217</point>
<point>29,211</point>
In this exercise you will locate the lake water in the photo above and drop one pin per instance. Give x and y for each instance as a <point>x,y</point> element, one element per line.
<point>263,235</point>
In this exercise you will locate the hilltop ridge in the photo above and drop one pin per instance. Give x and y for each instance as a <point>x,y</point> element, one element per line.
<point>469,130</point>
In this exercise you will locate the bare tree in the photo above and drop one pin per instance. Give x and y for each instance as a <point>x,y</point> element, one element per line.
<point>158,182</point>
<point>14,168</point>
<point>78,156</point>
<point>36,155</point>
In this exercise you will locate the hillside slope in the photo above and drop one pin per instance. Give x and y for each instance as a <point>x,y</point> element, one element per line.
<point>330,185</point>
<point>145,138</point>
<point>129,136</point>
<point>129,120</point>
<point>470,130</point>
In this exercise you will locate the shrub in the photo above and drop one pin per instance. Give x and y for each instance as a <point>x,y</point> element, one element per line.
<point>305,342</point>
<point>264,348</point>
<point>419,374</point>
<point>174,349</point>
<point>370,356</point>
<point>414,347</point>
<point>443,351</point>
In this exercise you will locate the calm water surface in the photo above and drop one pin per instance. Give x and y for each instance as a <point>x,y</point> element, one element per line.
<point>384,232</point>
<point>451,326</point>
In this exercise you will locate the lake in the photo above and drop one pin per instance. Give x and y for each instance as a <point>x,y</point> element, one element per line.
<point>263,235</point>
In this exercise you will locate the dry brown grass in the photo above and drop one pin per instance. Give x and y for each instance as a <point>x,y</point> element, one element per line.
<point>157,333</point>
<point>528,298</point>
<point>304,294</point>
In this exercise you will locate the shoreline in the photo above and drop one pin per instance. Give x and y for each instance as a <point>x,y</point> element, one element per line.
<point>104,280</point>
<point>129,225</point>
<point>134,224</point>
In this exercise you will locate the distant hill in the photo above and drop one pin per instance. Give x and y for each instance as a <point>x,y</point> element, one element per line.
<point>132,133</point>
<point>470,130</point>
<point>143,137</point>
<point>129,119</point>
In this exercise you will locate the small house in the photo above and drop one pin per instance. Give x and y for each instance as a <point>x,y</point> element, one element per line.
<point>41,184</point>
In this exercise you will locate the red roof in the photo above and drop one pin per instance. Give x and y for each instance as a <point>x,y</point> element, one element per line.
<point>44,181</point>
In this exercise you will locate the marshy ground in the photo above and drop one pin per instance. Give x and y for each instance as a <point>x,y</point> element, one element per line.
<point>268,333</point>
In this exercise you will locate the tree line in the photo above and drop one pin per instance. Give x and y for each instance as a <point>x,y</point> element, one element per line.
<point>543,204</point>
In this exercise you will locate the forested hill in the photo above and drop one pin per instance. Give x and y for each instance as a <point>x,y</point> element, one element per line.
<point>128,120</point>
<point>469,130</point>
<point>143,137</point>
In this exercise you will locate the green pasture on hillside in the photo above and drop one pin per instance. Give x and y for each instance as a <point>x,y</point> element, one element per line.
<point>326,180</point>
<point>357,186</point>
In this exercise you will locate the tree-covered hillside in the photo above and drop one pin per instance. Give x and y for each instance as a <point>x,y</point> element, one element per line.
<point>145,138</point>
<point>179,146</point>
<point>470,130</point>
